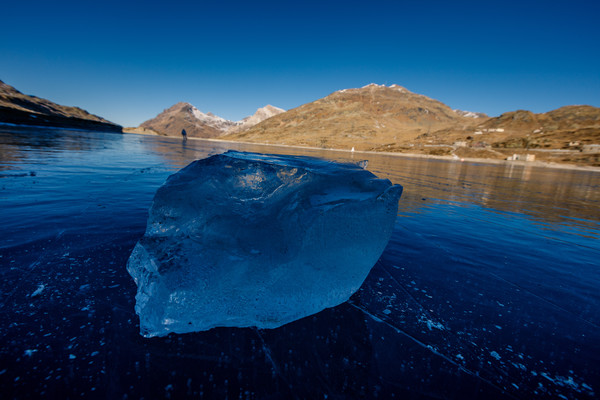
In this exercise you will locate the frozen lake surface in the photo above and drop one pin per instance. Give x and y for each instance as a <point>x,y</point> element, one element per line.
<point>489,287</point>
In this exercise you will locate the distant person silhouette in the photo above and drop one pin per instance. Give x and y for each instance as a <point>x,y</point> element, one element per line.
<point>184,134</point>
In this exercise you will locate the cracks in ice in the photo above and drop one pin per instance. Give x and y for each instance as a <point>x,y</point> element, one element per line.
<point>275,367</point>
<point>472,348</point>
<point>450,341</point>
<point>423,309</point>
<point>269,357</point>
<point>430,348</point>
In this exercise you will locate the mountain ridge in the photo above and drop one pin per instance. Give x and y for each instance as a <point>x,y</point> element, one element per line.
<point>21,109</point>
<point>182,115</point>
<point>370,118</point>
<point>363,116</point>
<point>394,119</point>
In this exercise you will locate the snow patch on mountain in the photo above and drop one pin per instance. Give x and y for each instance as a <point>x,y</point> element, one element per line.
<point>470,114</point>
<point>259,116</point>
<point>376,86</point>
<point>226,126</point>
<point>212,120</point>
<point>198,124</point>
<point>399,88</point>
<point>373,85</point>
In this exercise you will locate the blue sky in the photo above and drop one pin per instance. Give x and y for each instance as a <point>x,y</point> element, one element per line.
<point>127,61</point>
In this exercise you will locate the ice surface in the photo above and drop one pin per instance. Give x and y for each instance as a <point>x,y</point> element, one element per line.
<point>246,239</point>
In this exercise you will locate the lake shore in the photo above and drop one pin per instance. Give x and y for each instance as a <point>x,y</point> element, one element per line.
<point>540,164</point>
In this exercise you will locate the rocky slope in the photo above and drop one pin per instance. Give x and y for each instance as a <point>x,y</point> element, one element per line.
<point>21,109</point>
<point>197,124</point>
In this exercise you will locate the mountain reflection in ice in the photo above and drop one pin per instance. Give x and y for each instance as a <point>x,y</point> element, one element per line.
<point>487,289</point>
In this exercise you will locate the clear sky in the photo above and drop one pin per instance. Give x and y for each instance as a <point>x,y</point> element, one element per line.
<point>127,61</point>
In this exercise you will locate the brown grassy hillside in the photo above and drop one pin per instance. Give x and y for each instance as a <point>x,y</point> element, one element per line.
<point>393,119</point>
<point>19,108</point>
<point>363,118</point>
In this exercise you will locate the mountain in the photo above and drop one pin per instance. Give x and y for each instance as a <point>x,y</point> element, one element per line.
<point>564,118</point>
<point>260,115</point>
<point>569,127</point>
<point>363,118</point>
<point>21,109</point>
<point>394,119</point>
<point>181,116</point>
<point>197,124</point>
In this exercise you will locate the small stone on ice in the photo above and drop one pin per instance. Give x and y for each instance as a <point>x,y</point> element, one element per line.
<point>246,239</point>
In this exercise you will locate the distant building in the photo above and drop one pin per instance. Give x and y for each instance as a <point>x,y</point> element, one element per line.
<point>521,157</point>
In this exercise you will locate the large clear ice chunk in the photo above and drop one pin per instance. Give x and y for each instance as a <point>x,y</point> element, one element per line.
<point>245,239</point>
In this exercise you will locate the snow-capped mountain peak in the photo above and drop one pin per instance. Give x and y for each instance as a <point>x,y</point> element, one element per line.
<point>259,116</point>
<point>212,120</point>
<point>262,113</point>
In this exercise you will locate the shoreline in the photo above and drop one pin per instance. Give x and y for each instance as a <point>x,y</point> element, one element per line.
<point>541,164</point>
<point>70,128</point>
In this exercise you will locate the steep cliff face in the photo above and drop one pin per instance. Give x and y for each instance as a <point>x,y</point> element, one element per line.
<point>21,109</point>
